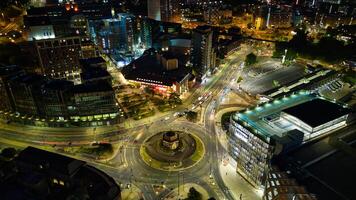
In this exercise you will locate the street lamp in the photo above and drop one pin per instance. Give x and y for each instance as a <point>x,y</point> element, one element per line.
<point>284,56</point>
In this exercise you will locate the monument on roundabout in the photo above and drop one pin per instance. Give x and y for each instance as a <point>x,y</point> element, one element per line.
<point>170,140</point>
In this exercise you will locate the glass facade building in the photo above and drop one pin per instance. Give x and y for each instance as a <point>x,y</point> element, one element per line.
<point>275,127</point>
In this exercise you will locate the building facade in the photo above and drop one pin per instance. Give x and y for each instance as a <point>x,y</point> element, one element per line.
<point>6,72</point>
<point>202,52</point>
<point>257,135</point>
<point>162,10</point>
<point>59,57</point>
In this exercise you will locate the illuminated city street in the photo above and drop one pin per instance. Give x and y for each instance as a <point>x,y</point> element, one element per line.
<point>169,99</point>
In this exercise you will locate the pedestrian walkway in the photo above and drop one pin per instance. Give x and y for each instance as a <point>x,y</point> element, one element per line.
<point>239,187</point>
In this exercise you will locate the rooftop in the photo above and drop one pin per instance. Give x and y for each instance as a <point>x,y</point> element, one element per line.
<point>97,86</point>
<point>37,21</point>
<point>149,69</point>
<point>95,73</point>
<point>57,84</point>
<point>56,162</point>
<point>94,61</point>
<point>317,112</point>
<point>256,119</point>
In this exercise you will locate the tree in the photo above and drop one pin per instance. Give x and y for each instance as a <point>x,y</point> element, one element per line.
<point>193,194</point>
<point>8,153</point>
<point>174,98</point>
<point>149,91</point>
<point>192,116</point>
<point>251,59</point>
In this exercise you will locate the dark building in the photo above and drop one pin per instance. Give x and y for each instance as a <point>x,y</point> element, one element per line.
<point>37,100</point>
<point>91,11</point>
<point>55,98</point>
<point>24,91</point>
<point>94,101</point>
<point>280,186</point>
<point>202,57</point>
<point>39,174</point>
<point>6,72</point>
<point>163,72</point>
<point>94,69</point>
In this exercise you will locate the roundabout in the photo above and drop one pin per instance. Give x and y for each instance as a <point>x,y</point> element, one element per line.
<point>172,150</point>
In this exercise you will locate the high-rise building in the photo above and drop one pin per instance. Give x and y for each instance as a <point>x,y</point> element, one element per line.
<point>202,52</point>
<point>59,57</point>
<point>115,35</point>
<point>161,10</point>
<point>126,32</point>
<point>145,32</point>
<point>154,9</point>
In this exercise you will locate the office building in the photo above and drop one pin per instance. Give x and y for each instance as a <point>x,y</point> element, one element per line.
<point>116,35</point>
<point>202,52</point>
<point>24,90</point>
<point>258,134</point>
<point>39,28</point>
<point>126,32</point>
<point>145,33</point>
<point>59,57</point>
<point>94,69</point>
<point>54,99</point>
<point>37,100</point>
<point>94,104</point>
<point>6,72</point>
<point>39,174</point>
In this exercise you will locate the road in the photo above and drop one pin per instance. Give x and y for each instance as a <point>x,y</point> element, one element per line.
<point>131,168</point>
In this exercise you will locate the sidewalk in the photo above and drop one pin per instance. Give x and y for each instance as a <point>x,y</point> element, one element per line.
<point>236,184</point>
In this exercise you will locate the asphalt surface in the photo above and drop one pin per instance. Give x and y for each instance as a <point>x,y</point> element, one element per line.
<point>127,166</point>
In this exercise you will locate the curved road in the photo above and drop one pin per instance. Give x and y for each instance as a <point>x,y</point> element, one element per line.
<point>134,170</point>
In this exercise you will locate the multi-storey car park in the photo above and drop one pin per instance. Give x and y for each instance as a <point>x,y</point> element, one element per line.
<point>272,128</point>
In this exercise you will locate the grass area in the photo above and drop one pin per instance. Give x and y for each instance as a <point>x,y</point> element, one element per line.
<point>199,151</point>
<point>149,160</point>
<point>96,150</point>
<point>350,77</point>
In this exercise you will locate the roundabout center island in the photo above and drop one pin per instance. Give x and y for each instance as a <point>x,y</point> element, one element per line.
<point>172,150</point>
